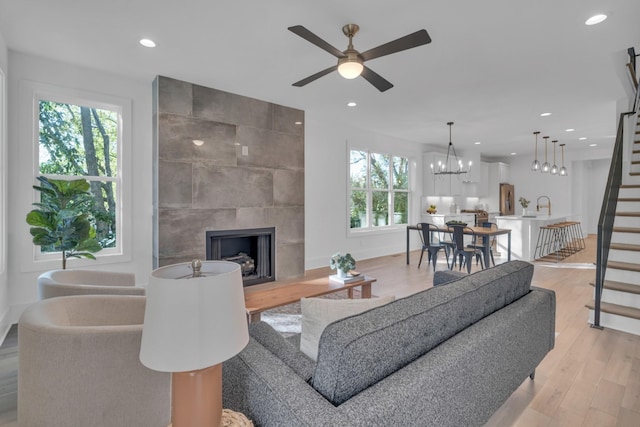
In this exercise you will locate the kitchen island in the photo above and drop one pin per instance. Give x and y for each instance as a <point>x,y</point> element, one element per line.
<point>524,232</point>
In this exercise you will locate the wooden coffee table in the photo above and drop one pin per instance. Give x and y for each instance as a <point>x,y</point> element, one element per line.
<point>258,301</point>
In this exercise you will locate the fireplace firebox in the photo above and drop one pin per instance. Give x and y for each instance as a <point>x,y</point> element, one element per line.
<point>253,249</point>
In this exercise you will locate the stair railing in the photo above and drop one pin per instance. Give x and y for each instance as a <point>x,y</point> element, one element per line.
<point>608,213</point>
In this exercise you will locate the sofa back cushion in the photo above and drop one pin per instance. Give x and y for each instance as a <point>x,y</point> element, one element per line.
<point>358,351</point>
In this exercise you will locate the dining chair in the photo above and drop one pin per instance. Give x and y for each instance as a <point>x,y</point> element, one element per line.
<point>491,242</point>
<point>465,252</point>
<point>428,244</point>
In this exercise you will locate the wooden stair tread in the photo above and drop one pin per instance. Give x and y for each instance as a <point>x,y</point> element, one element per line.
<point>627,213</point>
<point>626,230</point>
<point>624,247</point>
<point>629,199</point>
<point>618,265</point>
<point>634,173</point>
<point>630,186</point>
<point>619,286</point>
<point>635,162</point>
<point>620,310</point>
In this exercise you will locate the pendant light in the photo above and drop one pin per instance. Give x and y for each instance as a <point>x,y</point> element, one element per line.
<point>554,168</point>
<point>563,170</point>
<point>545,165</point>
<point>535,166</point>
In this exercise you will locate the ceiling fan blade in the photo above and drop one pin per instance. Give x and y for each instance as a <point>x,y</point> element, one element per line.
<point>403,43</point>
<point>312,38</point>
<point>376,79</point>
<point>315,76</point>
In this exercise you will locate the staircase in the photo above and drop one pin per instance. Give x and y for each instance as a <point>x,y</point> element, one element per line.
<point>620,307</point>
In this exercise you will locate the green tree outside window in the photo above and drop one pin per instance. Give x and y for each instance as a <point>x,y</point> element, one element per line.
<point>77,141</point>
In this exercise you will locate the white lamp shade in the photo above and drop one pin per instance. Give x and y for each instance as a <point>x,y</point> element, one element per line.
<point>193,323</point>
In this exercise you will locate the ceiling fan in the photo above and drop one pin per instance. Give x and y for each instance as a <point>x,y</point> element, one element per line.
<point>351,62</point>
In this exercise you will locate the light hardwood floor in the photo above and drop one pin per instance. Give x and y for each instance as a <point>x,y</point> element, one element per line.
<point>590,378</point>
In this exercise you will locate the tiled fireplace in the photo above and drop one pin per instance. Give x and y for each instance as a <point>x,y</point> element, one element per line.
<point>245,170</point>
<point>253,249</point>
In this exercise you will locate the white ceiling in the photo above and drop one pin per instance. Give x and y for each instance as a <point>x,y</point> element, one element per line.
<point>492,68</point>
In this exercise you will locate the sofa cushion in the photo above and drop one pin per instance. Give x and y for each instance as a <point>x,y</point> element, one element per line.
<point>278,345</point>
<point>442,277</point>
<point>317,313</point>
<point>357,352</point>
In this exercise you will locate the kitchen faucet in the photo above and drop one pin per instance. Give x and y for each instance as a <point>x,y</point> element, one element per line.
<point>548,205</point>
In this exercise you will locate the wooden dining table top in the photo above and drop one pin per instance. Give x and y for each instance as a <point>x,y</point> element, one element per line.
<point>479,231</point>
<point>482,231</point>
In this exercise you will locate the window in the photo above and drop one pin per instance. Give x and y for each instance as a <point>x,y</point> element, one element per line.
<point>81,139</point>
<point>379,193</point>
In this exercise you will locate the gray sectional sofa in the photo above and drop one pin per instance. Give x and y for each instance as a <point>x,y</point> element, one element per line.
<point>447,356</point>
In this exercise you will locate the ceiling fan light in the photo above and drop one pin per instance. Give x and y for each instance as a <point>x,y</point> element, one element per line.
<point>350,69</point>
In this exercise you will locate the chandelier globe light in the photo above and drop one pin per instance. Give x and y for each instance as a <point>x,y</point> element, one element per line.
<point>535,165</point>
<point>554,168</point>
<point>545,166</point>
<point>563,169</point>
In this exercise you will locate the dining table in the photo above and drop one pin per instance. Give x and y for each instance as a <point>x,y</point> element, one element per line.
<point>484,232</point>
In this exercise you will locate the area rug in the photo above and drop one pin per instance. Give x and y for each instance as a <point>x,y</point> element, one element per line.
<point>288,319</point>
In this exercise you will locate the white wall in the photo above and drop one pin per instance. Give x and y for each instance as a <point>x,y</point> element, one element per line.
<point>22,283</point>
<point>326,178</point>
<point>5,322</point>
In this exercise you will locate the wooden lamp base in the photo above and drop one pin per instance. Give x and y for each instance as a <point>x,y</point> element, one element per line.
<point>197,397</point>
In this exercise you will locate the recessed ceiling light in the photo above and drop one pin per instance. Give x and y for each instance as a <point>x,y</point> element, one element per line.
<point>513,154</point>
<point>298,123</point>
<point>592,145</point>
<point>582,138</point>
<point>545,114</point>
<point>198,142</point>
<point>147,43</point>
<point>351,104</point>
<point>569,130</point>
<point>477,143</point>
<point>595,19</point>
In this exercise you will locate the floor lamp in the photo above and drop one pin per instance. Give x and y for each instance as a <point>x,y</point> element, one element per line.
<point>194,320</point>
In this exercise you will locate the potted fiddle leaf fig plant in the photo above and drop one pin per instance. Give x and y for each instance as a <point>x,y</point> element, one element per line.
<point>342,264</point>
<point>62,221</point>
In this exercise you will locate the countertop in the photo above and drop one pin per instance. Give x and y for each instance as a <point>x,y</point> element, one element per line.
<point>538,217</point>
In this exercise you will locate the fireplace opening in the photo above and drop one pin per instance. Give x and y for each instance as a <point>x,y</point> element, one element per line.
<point>253,249</point>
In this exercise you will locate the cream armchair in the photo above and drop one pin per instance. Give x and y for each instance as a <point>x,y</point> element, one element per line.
<point>79,365</point>
<point>56,283</point>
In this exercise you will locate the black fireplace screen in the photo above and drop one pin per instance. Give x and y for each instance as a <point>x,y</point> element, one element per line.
<point>253,249</point>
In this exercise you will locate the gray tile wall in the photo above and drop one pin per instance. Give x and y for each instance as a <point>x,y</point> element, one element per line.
<point>215,187</point>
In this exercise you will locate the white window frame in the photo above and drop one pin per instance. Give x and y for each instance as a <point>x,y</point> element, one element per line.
<point>370,229</point>
<point>31,95</point>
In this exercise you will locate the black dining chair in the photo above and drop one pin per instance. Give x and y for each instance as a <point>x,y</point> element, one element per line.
<point>429,245</point>
<point>464,252</point>
<point>491,242</point>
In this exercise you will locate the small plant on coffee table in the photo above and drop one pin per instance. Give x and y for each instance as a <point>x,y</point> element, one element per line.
<point>342,263</point>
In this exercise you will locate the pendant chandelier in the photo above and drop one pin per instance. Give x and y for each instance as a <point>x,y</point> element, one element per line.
<point>545,166</point>
<point>445,168</point>
<point>563,170</point>
<point>554,168</point>
<point>535,165</point>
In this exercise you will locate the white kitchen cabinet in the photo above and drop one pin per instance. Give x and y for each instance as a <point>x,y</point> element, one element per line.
<point>503,171</point>
<point>482,187</point>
